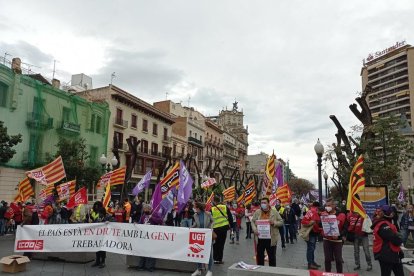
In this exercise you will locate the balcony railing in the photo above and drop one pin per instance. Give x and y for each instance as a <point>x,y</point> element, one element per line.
<point>119,122</point>
<point>39,121</point>
<point>229,144</point>
<point>195,141</point>
<point>166,139</point>
<point>230,155</point>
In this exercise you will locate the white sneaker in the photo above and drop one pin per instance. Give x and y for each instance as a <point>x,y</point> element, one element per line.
<point>209,273</point>
<point>196,273</point>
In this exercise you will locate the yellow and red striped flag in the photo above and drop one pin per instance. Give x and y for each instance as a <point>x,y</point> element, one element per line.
<point>284,194</point>
<point>356,184</point>
<point>229,193</point>
<point>171,180</point>
<point>115,177</point>
<point>249,192</point>
<point>240,199</point>
<point>208,202</point>
<point>269,176</point>
<point>107,196</point>
<point>25,191</point>
<point>50,173</point>
<point>66,190</point>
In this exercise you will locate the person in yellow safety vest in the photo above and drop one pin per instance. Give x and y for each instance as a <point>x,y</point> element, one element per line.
<point>79,214</point>
<point>127,208</point>
<point>281,210</point>
<point>222,220</point>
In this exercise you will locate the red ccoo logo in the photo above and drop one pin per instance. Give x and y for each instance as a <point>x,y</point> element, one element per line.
<point>30,245</point>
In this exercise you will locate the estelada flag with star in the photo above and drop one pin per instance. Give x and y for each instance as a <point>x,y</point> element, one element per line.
<point>356,184</point>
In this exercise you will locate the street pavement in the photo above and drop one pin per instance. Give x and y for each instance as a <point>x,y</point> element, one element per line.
<point>294,256</point>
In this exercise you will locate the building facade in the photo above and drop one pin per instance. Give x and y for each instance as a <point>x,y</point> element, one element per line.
<point>136,119</point>
<point>43,114</point>
<point>213,150</point>
<point>390,73</point>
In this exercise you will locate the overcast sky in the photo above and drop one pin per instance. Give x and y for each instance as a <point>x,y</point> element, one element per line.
<point>289,64</point>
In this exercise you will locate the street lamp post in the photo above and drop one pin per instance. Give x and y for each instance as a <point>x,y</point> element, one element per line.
<point>325,175</point>
<point>319,152</point>
<point>106,166</point>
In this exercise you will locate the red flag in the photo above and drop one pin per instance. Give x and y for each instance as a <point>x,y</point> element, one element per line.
<point>115,177</point>
<point>170,180</point>
<point>284,194</point>
<point>80,197</point>
<point>209,200</point>
<point>249,192</point>
<point>67,189</point>
<point>229,193</point>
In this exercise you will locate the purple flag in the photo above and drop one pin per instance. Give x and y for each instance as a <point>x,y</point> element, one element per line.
<point>185,187</point>
<point>142,184</point>
<point>156,197</point>
<point>279,175</point>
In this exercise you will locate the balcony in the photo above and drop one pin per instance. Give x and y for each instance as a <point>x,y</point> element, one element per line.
<point>227,143</point>
<point>119,123</point>
<point>120,146</point>
<point>39,121</point>
<point>69,128</point>
<point>195,141</point>
<point>166,139</point>
<point>230,155</point>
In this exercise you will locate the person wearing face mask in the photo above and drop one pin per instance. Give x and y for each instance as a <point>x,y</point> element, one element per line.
<point>332,245</point>
<point>387,242</point>
<point>234,227</point>
<point>275,220</point>
<point>203,219</point>
<point>312,219</point>
<point>289,219</point>
<point>407,224</point>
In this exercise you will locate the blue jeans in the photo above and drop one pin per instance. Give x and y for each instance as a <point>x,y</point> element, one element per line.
<point>236,232</point>
<point>210,261</point>
<point>405,234</point>
<point>310,249</point>
<point>186,222</point>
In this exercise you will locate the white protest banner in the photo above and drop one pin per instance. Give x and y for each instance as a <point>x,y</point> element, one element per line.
<point>209,182</point>
<point>330,226</point>
<point>164,242</point>
<point>263,227</point>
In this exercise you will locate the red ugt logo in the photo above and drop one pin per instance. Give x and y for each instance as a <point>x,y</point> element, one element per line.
<point>197,241</point>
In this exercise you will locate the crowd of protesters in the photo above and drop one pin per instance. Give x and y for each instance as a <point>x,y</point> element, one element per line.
<point>390,227</point>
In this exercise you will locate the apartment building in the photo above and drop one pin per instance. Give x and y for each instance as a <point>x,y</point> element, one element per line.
<point>134,118</point>
<point>213,150</point>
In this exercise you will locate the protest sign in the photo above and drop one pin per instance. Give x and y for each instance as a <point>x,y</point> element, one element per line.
<point>330,226</point>
<point>164,242</point>
<point>263,227</point>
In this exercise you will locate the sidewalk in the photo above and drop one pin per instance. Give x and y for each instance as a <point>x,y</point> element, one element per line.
<point>294,256</point>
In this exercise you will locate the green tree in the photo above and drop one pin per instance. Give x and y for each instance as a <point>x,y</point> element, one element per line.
<point>300,186</point>
<point>7,142</point>
<point>386,155</point>
<point>74,156</point>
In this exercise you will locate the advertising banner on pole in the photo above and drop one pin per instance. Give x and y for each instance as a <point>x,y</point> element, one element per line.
<point>163,242</point>
<point>373,197</point>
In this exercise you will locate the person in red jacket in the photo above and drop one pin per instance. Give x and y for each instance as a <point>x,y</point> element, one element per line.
<point>312,219</point>
<point>387,242</point>
<point>332,242</point>
<point>355,222</point>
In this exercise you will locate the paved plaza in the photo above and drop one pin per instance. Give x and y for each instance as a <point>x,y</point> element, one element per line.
<point>294,256</point>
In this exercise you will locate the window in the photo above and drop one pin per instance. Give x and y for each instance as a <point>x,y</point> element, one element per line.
<point>134,121</point>
<point>154,148</point>
<point>165,134</point>
<point>3,95</point>
<point>118,140</point>
<point>154,129</point>
<point>93,120</point>
<point>148,165</point>
<point>182,150</point>
<point>144,146</point>
<point>118,118</point>
<point>65,114</point>
<point>191,134</point>
<point>139,166</point>
<point>98,124</point>
<point>93,155</point>
<point>145,125</point>
<point>174,153</point>
<point>133,139</point>
<point>201,138</point>
<point>164,151</point>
